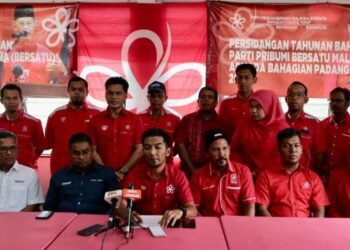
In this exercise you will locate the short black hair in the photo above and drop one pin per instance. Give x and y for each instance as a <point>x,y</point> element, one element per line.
<point>78,79</point>
<point>212,135</point>
<point>249,66</point>
<point>8,134</point>
<point>300,84</point>
<point>345,91</point>
<point>11,86</point>
<point>117,80</point>
<point>79,137</point>
<point>287,133</point>
<point>207,88</point>
<point>152,132</point>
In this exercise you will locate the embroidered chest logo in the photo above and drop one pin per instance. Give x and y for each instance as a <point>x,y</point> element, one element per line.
<point>63,119</point>
<point>234,178</point>
<point>170,189</point>
<point>104,127</point>
<point>306,185</point>
<point>24,129</point>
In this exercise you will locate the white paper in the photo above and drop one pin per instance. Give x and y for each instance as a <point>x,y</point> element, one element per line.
<point>150,220</point>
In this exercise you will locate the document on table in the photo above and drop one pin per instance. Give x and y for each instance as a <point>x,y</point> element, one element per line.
<point>150,220</point>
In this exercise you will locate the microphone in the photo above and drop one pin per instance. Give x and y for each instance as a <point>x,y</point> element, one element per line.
<point>19,34</point>
<point>113,198</point>
<point>17,71</point>
<point>130,194</point>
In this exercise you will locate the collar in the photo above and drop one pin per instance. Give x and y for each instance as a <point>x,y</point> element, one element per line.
<point>122,112</point>
<point>300,168</point>
<point>165,172</point>
<point>245,99</point>
<point>19,117</point>
<point>301,116</point>
<point>93,167</point>
<point>15,167</point>
<point>70,106</point>
<point>345,120</point>
<point>149,111</point>
<point>230,168</point>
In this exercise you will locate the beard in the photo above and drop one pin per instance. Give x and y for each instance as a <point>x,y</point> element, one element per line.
<point>221,163</point>
<point>77,103</point>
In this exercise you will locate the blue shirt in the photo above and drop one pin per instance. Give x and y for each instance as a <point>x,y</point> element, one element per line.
<point>81,192</point>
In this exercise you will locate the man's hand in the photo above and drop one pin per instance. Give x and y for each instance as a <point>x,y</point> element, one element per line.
<point>170,217</point>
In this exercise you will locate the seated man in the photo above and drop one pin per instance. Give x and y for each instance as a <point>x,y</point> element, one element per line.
<point>19,185</point>
<point>81,186</point>
<point>290,190</point>
<point>165,189</point>
<point>222,187</point>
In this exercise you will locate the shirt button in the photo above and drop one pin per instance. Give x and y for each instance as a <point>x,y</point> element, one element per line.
<point>79,203</point>
<point>81,194</point>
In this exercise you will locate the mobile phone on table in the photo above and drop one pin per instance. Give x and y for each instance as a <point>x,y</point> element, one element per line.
<point>44,215</point>
<point>188,223</point>
<point>91,229</point>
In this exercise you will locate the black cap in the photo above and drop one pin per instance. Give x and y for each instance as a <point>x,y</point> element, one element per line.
<point>24,11</point>
<point>157,87</point>
<point>212,135</point>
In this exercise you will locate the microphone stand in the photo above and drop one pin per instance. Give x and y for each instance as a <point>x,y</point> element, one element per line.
<point>113,222</point>
<point>129,226</point>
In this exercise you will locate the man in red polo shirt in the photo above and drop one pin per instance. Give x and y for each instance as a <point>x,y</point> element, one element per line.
<point>222,187</point>
<point>165,189</point>
<point>190,134</point>
<point>66,121</point>
<point>156,116</point>
<point>339,191</point>
<point>27,128</point>
<point>117,132</point>
<point>290,190</point>
<point>308,126</point>
<point>337,129</point>
<point>236,107</point>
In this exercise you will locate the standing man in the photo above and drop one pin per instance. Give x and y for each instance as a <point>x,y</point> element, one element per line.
<point>67,120</point>
<point>236,107</point>
<point>81,186</point>
<point>20,189</point>
<point>117,132</point>
<point>222,187</point>
<point>190,136</point>
<point>27,128</point>
<point>337,130</point>
<point>165,189</point>
<point>309,127</point>
<point>291,189</point>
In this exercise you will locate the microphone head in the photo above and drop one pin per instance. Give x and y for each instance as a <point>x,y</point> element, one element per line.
<point>132,194</point>
<point>19,34</point>
<point>113,196</point>
<point>17,70</point>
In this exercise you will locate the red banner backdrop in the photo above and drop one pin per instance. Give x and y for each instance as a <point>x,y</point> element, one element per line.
<point>37,44</point>
<point>143,43</point>
<point>307,43</point>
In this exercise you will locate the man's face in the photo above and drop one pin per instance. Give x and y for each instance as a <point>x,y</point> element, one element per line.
<point>256,110</point>
<point>77,93</point>
<point>25,24</point>
<point>207,101</point>
<point>8,152</point>
<point>245,81</point>
<point>291,150</point>
<point>156,99</point>
<point>296,98</point>
<point>219,154</point>
<point>338,104</point>
<point>11,100</point>
<point>155,151</point>
<point>81,154</point>
<point>115,96</point>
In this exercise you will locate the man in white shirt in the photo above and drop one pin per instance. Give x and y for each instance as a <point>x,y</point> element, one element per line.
<point>20,189</point>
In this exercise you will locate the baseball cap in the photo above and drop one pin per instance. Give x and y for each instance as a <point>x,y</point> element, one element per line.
<point>157,87</point>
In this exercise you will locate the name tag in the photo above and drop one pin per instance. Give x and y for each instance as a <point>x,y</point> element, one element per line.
<point>66,183</point>
<point>96,180</point>
<point>19,181</point>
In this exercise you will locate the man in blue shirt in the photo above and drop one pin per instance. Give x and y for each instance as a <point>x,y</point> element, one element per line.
<point>80,187</point>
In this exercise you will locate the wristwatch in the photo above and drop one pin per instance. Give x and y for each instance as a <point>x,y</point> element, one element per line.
<point>184,211</point>
<point>122,171</point>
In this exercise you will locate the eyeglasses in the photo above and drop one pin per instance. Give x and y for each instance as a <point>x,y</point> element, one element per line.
<point>11,149</point>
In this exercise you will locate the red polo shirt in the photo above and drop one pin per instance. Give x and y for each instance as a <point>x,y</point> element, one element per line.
<point>61,125</point>
<point>169,192</point>
<point>226,194</point>
<point>234,109</point>
<point>167,121</point>
<point>191,133</point>
<point>115,138</point>
<point>339,193</point>
<point>30,137</point>
<point>290,195</point>
<point>311,132</point>
<point>338,141</point>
